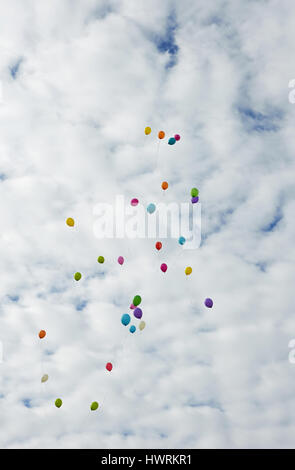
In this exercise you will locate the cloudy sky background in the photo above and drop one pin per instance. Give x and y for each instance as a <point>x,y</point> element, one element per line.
<point>80,82</point>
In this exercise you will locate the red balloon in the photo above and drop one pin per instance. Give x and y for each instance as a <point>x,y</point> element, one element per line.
<point>164,267</point>
<point>109,366</point>
<point>158,245</point>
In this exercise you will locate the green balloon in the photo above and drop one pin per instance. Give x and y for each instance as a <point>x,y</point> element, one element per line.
<point>94,406</point>
<point>77,276</point>
<point>136,300</point>
<point>58,403</point>
<point>194,192</point>
<point>100,259</point>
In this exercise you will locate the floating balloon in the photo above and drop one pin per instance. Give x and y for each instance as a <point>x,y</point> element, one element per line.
<point>137,312</point>
<point>158,245</point>
<point>181,240</point>
<point>147,130</point>
<point>177,137</point>
<point>194,192</point>
<point>94,406</point>
<point>132,329</point>
<point>70,222</point>
<point>109,366</point>
<point>42,334</point>
<point>188,270</point>
<point>121,260</point>
<point>136,300</point>
<point>195,199</point>
<point>125,320</point>
<point>132,307</point>
<point>141,325</point>
<point>134,202</point>
<point>171,141</point>
<point>164,185</point>
<point>44,378</point>
<point>58,403</point>
<point>151,208</point>
<point>77,276</point>
<point>100,259</point>
<point>161,134</point>
<point>164,267</point>
<point>209,303</point>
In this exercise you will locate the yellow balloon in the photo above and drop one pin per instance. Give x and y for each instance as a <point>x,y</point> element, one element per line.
<point>147,130</point>
<point>188,270</point>
<point>141,325</point>
<point>44,378</point>
<point>70,222</point>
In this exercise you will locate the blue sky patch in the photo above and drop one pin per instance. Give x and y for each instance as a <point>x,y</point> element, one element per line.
<point>166,42</point>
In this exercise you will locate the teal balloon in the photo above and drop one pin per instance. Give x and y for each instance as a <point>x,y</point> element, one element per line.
<point>151,208</point>
<point>132,329</point>
<point>181,240</point>
<point>125,320</point>
<point>171,141</point>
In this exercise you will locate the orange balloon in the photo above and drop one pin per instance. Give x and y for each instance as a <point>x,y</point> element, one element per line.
<point>42,334</point>
<point>161,135</point>
<point>164,185</point>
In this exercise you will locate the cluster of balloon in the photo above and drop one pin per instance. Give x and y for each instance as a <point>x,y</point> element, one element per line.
<point>151,208</point>
<point>208,303</point>
<point>194,195</point>
<point>137,312</point>
<point>174,139</point>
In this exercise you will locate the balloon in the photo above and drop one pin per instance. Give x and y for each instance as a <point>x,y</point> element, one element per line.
<point>42,334</point>
<point>177,137</point>
<point>161,134</point>
<point>164,267</point>
<point>181,240</point>
<point>132,307</point>
<point>125,319</point>
<point>100,259</point>
<point>132,329</point>
<point>94,406</point>
<point>151,208</point>
<point>121,260</point>
<point>136,300</point>
<point>195,199</point>
<point>44,378</point>
<point>158,246</point>
<point>137,312</point>
<point>147,130</point>
<point>141,325</point>
<point>134,202</point>
<point>164,185</point>
<point>171,141</point>
<point>70,222</point>
<point>109,366</point>
<point>77,276</point>
<point>58,403</point>
<point>188,270</point>
<point>209,303</point>
<point>194,192</point>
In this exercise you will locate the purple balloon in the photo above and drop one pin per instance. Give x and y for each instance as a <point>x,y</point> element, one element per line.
<point>137,312</point>
<point>195,199</point>
<point>209,303</point>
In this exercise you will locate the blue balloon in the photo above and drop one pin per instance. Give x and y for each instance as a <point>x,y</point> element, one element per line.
<point>151,208</point>
<point>132,329</point>
<point>171,141</point>
<point>125,320</point>
<point>181,240</point>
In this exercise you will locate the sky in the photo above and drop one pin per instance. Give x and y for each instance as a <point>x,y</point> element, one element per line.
<point>80,81</point>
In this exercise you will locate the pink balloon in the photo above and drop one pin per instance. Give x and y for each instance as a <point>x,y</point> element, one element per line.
<point>177,137</point>
<point>164,267</point>
<point>132,307</point>
<point>120,260</point>
<point>134,202</point>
